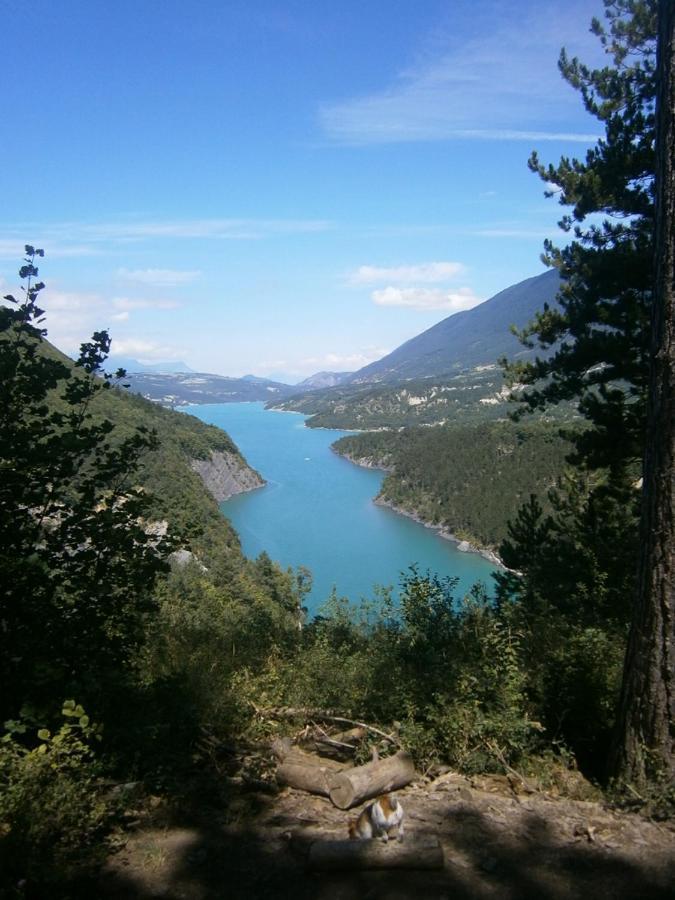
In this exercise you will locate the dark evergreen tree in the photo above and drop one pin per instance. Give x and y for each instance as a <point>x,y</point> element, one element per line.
<point>645,743</point>
<point>578,581</point>
<point>77,557</point>
<point>600,331</point>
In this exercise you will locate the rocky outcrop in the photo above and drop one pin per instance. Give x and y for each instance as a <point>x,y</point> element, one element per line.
<point>225,475</point>
<point>365,462</point>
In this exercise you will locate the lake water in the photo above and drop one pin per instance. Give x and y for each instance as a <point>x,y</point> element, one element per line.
<point>317,510</point>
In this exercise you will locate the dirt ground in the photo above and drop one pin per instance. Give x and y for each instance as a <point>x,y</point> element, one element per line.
<point>498,844</point>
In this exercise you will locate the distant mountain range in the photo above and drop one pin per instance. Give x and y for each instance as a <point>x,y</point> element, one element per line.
<point>180,388</point>
<point>323,380</point>
<point>449,373</point>
<point>461,343</point>
<point>476,337</point>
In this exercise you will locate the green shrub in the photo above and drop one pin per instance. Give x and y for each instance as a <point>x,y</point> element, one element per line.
<point>448,672</point>
<point>53,814</point>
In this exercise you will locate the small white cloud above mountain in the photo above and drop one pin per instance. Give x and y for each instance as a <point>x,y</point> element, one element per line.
<point>339,362</point>
<point>145,351</point>
<point>427,273</point>
<point>427,298</point>
<point>159,277</point>
<point>129,304</point>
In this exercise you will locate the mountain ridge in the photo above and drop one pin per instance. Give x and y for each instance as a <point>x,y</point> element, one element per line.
<point>464,340</point>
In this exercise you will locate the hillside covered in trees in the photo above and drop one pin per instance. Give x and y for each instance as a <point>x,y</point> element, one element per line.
<point>468,480</point>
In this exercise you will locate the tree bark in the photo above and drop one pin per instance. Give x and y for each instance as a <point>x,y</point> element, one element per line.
<point>352,786</point>
<point>302,770</point>
<point>644,745</point>
<point>313,779</point>
<point>344,856</point>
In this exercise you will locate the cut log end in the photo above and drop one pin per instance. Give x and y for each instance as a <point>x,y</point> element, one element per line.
<point>353,786</point>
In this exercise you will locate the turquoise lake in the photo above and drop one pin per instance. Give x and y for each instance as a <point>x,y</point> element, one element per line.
<point>317,510</point>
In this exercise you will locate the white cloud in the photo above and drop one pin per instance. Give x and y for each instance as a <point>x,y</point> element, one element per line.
<point>159,277</point>
<point>73,316</point>
<point>70,301</point>
<point>138,229</point>
<point>426,298</point>
<point>271,364</point>
<point>144,350</point>
<point>427,273</point>
<point>499,82</point>
<point>342,362</point>
<point>71,239</point>
<point>131,303</point>
<point>515,134</point>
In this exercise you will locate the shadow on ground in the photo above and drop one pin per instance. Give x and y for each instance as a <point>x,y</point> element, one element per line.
<point>262,853</point>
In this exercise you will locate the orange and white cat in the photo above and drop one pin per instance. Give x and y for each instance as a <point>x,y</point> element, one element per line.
<point>378,819</point>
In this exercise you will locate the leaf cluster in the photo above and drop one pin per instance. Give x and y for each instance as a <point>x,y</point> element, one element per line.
<point>53,812</point>
<point>77,558</point>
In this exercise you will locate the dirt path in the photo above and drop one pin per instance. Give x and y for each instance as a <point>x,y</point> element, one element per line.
<point>497,846</point>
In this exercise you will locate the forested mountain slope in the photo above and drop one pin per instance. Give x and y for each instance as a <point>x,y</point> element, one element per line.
<point>478,395</point>
<point>416,402</point>
<point>193,468</point>
<point>468,480</point>
<point>449,373</point>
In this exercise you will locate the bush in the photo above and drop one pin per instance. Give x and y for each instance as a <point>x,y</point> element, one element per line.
<point>53,814</point>
<point>447,672</point>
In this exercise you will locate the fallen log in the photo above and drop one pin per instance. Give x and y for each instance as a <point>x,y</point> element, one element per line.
<point>422,853</point>
<point>352,786</point>
<point>303,771</point>
<point>315,779</point>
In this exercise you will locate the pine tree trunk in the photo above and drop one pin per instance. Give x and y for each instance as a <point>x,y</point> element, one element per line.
<point>644,746</point>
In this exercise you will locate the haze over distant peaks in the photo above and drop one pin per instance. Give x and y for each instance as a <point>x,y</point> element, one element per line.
<point>134,365</point>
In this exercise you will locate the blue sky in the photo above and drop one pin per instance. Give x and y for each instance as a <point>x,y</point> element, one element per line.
<point>280,186</point>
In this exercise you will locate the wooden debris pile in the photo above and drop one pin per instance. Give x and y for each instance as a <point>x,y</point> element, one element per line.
<point>323,761</point>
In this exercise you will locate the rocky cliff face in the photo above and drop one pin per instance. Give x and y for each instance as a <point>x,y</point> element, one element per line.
<point>225,474</point>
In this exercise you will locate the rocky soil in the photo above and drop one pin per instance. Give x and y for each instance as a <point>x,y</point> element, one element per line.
<point>501,841</point>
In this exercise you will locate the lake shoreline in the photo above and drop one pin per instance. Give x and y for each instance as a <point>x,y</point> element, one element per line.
<point>317,511</point>
<point>463,546</point>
